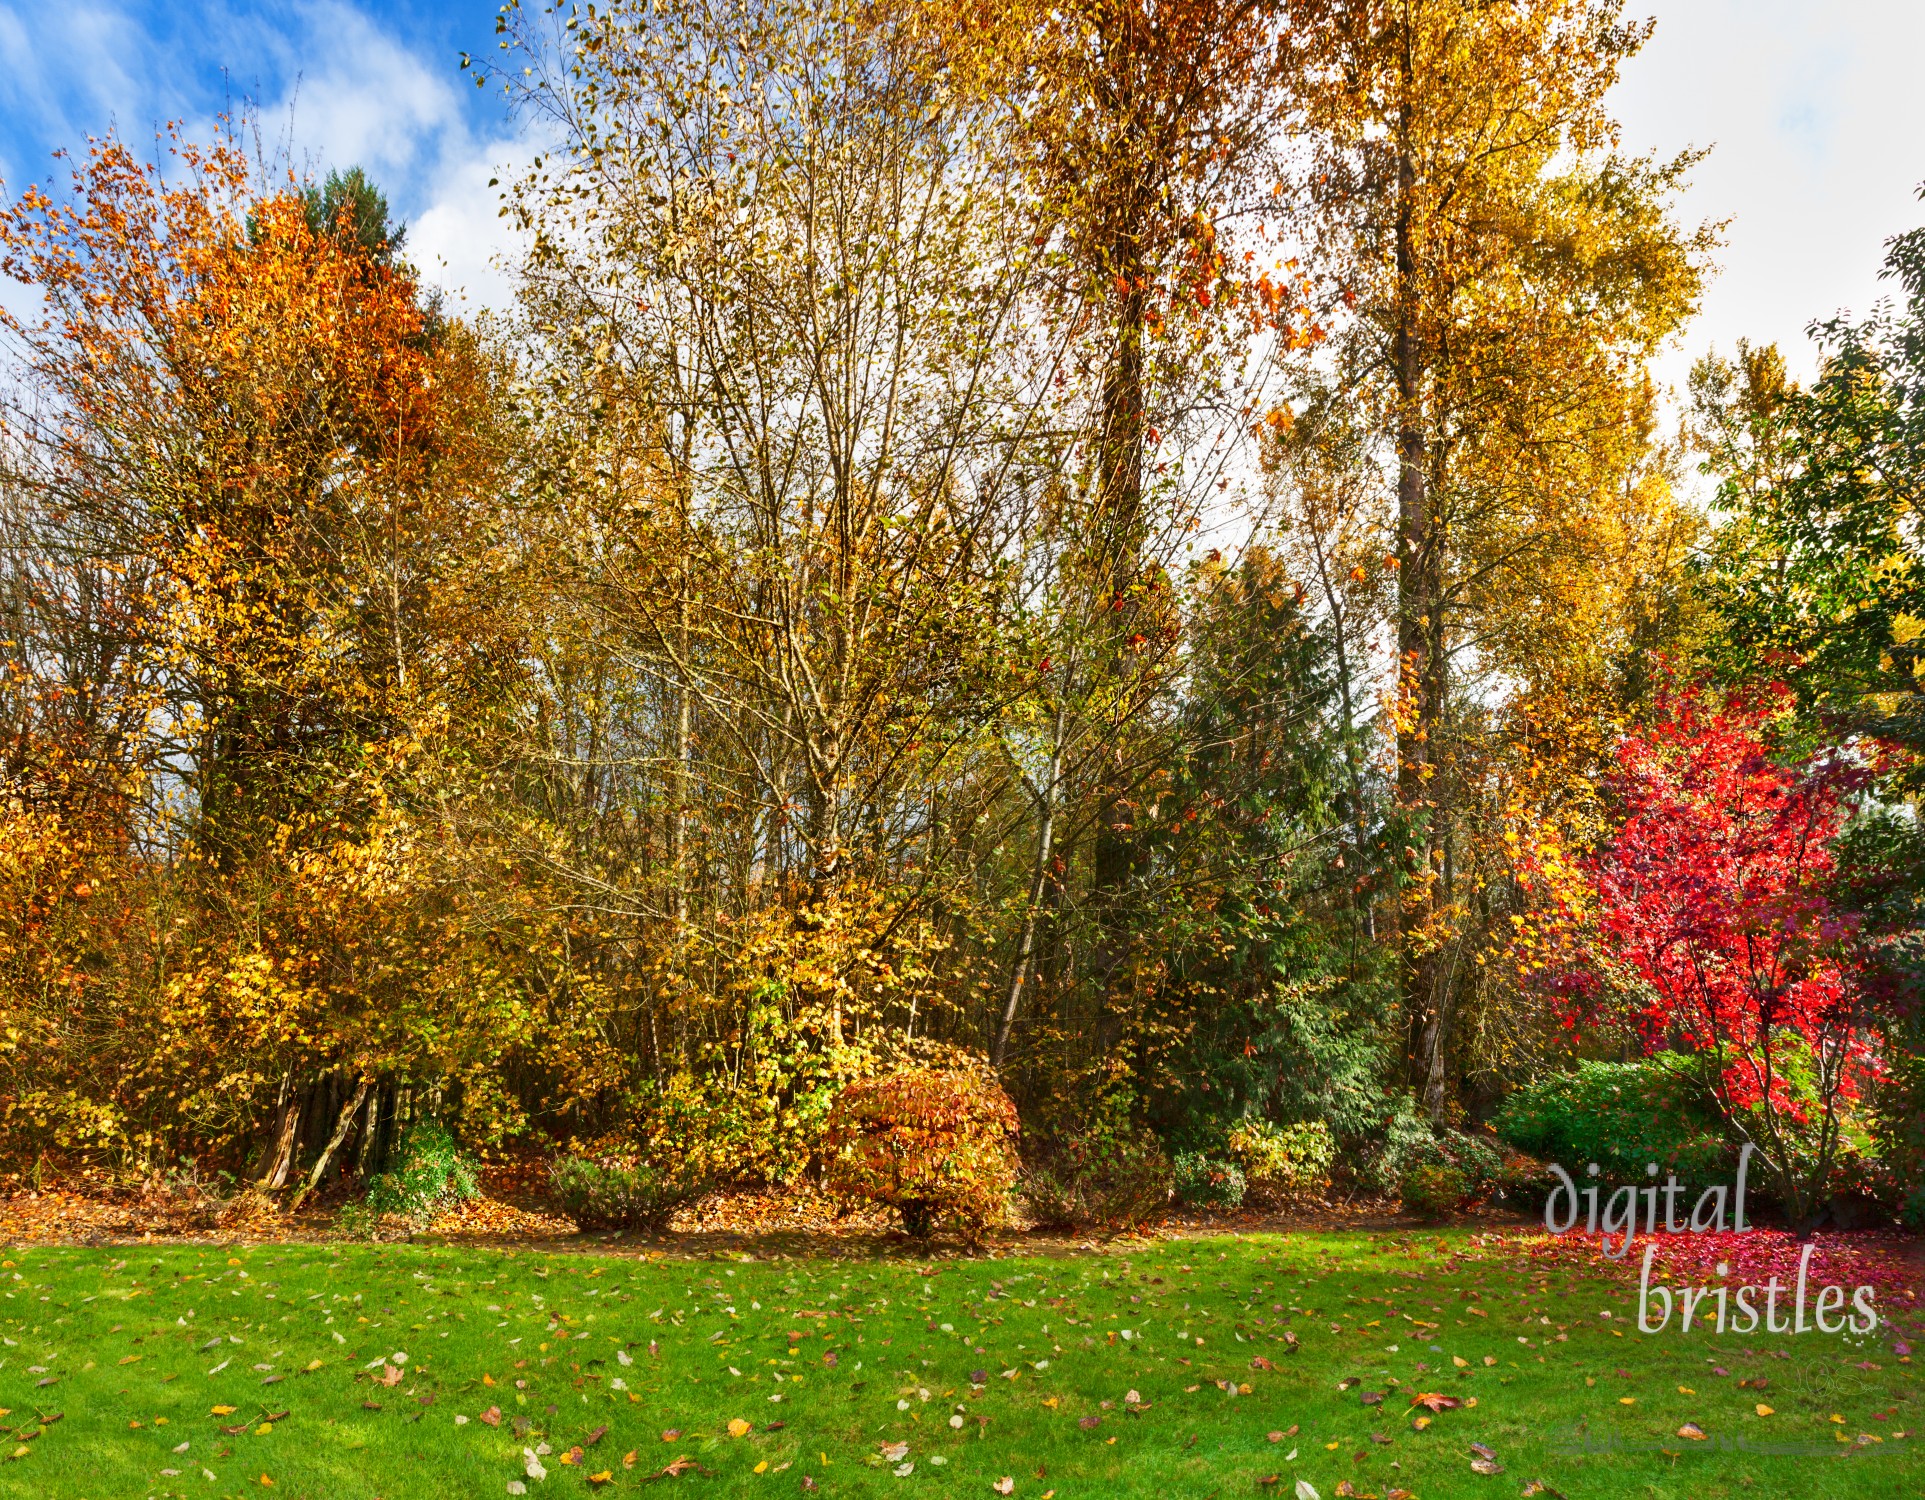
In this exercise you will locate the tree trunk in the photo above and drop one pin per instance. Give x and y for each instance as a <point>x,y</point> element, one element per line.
<point>1026,946</point>
<point>287,1135</point>
<point>1419,634</point>
<point>342,1125</point>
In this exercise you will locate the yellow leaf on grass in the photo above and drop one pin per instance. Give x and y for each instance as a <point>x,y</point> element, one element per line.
<point>763,1467</point>
<point>264,1429</point>
<point>1460,1361</point>
<point>222,1411</point>
<point>1763,1410</point>
<point>601,1478</point>
<point>737,1427</point>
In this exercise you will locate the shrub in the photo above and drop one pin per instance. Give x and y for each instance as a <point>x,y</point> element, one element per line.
<point>1097,1179</point>
<point>1621,1116</point>
<point>1433,1190</point>
<point>1408,1143</point>
<point>1284,1161</point>
<point>1203,1183</point>
<point>1523,1184</point>
<point>611,1193</point>
<point>1475,1162</point>
<point>935,1144</point>
<point>432,1174</point>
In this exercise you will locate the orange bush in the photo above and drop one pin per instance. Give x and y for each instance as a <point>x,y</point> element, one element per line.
<point>935,1144</point>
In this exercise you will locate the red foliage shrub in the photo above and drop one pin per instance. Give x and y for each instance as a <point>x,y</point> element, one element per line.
<point>935,1144</point>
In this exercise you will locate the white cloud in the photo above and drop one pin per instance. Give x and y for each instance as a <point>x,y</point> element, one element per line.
<point>1812,113</point>
<point>334,85</point>
<point>365,99</point>
<point>457,241</point>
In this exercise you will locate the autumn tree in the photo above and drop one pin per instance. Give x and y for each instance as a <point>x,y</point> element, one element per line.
<point>243,415</point>
<point>1710,925</point>
<point>1507,273</point>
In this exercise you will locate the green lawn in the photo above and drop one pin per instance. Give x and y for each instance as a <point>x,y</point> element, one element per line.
<point>985,1368</point>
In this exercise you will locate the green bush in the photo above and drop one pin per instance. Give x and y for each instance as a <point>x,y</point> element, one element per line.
<point>1433,1190</point>
<point>432,1174</point>
<point>1284,1161</point>
<point>1621,1116</point>
<point>1204,1183</point>
<point>1408,1142</point>
<point>1476,1164</point>
<point>1097,1178</point>
<point>623,1194</point>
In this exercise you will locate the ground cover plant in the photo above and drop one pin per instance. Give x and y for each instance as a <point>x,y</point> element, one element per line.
<point>1434,1363</point>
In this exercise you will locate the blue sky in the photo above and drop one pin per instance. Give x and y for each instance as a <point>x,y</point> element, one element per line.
<point>341,83</point>
<point>1811,109</point>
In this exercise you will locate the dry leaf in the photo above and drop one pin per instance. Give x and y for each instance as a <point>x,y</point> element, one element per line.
<point>1693,1431</point>
<point>737,1427</point>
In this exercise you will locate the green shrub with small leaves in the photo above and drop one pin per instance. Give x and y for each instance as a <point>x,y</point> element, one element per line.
<point>1284,1161</point>
<point>432,1173</point>
<point>630,1194</point>
<point>1202,1182</point>
<point>1434,1190</point>
<point>1097,1178</point>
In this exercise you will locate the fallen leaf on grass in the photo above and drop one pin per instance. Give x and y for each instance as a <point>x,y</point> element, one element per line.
<point>1539,1487</point>
<point>1693,1431</point>
<point>676,1468</point>
<point>1486,1466</point>
<point>1004,1486</point>
<point>492,1416</point>
<point>738,1428</point>
<point>1483,1452</point>
<point>1435,1401</point>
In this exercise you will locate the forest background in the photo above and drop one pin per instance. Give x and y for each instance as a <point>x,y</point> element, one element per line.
<point>1129,560</point>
